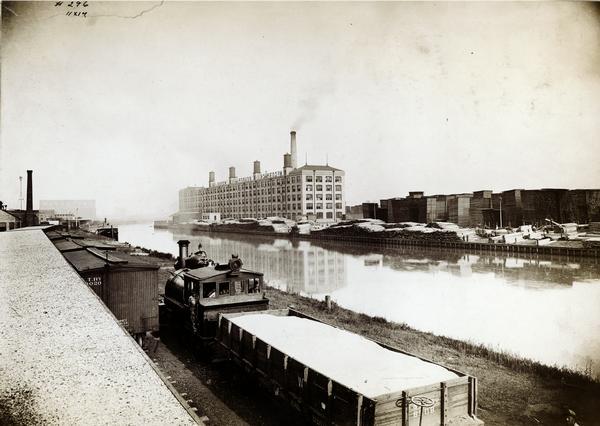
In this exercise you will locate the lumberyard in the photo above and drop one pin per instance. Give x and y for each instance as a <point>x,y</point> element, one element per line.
<point>298,213</point>
<point>558,238</point>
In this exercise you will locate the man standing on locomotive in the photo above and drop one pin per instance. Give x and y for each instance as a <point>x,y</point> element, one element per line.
<point>192,305</point>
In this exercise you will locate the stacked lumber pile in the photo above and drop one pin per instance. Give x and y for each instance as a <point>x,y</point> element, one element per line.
<point>513,238</point>
<point>594,228</point>
<point>592,243</point>
<point>233,226</point>
<point>448,226</point>
<point>377,228</point>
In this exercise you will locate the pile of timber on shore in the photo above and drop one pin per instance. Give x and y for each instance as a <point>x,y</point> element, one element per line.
<point>379,229</point>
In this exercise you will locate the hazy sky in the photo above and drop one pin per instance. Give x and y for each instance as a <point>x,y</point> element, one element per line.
<point>128,107</point>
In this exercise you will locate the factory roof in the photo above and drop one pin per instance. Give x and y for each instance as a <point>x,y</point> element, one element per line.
<point>317,167</point>
<point>64,359</point>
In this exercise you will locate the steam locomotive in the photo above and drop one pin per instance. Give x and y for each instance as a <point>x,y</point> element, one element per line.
<point>200,289</point>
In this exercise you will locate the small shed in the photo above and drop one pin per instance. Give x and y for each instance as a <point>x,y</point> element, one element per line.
<point>128,288</point>
<point>8,221</point>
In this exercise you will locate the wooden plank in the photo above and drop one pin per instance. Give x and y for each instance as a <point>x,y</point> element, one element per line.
<point>260,355</point>
<point>444,404</point>
<point>343,404</point>
<point>470,399</point>
<point>318,393</point>
<point>358,410</point>
<point>277,366</point>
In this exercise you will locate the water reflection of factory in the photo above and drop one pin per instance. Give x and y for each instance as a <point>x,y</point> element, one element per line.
<point>297,267</point>
<point>532,271</point>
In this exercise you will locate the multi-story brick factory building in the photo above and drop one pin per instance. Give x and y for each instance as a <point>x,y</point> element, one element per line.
<point>314,192</point>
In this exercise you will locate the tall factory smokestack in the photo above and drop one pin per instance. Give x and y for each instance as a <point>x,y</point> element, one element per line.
<point>287,161</point>
<point>29,218</point>
<point>293,149</point>
<point>211,178</point>
<point>231,174</point>
<point>29,190</point>
<point>256,173</point>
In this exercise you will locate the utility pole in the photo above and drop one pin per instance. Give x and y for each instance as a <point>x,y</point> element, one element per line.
<point>501,212</point>
<point>21,192</point>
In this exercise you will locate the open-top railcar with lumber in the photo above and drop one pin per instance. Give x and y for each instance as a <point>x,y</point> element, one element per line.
<point>334,377</point>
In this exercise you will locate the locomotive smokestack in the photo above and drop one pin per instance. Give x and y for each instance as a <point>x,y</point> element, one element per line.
<point>183,253</point>
<point>183,248</point>
<point>293,153</point>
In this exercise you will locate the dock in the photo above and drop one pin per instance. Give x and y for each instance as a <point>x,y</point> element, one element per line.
<point>64,358</point>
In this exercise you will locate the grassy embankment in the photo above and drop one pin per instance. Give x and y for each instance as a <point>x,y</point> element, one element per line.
<point>512,390</point>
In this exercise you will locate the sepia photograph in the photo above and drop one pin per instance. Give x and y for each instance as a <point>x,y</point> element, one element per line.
<point>369,213</point>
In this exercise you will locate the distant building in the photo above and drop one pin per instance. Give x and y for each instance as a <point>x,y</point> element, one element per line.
<point>45,215</point>
<point>84,209</point>
<point>369,210</point>
<point>314,192</point>
<point>354,212</point>
<point>8,221</point>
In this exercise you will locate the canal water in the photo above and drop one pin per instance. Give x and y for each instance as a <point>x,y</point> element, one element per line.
<point>543,308</point>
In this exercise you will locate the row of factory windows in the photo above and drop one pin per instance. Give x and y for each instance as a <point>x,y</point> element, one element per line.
<point>264,183</point>
<point>319,206</point>
<point>319,178</point>
<point>289,215</point>
<point>244,194</point>
<point>291,206</point>
<point>320,188</point>
<point>273,199</point>
<point>190,200</point>
<point>204,193</point>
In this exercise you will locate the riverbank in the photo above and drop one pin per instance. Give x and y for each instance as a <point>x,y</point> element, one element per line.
<point>572,249</point>
<point>512,390</point>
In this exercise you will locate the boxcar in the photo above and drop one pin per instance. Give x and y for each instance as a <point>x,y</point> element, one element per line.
<point>324,401</point>
<point>129,288</point>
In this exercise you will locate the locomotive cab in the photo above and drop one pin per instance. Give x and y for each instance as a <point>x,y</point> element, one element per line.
<point>198,296</point>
